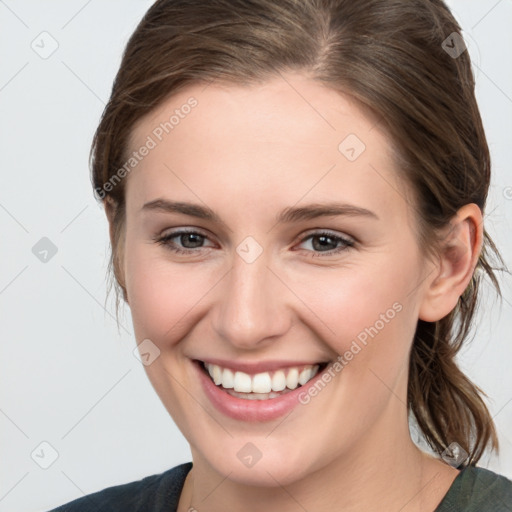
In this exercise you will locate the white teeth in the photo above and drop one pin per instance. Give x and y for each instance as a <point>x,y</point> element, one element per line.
<point>292,379</point>
<point>227,378</point>
<point>256,396</point>
<point>304,376</point>
<point>261,383</point>
<point>242,382</point>
<point>278,381</point>
<point>217,375</point>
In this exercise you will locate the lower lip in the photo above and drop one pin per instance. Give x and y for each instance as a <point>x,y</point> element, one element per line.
<point>252,410</point>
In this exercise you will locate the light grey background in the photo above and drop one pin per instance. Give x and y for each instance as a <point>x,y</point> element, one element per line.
<point>68,377</point>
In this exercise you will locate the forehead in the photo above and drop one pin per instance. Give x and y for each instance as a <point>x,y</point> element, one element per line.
<point>261,108</point>
<point>286,138</point>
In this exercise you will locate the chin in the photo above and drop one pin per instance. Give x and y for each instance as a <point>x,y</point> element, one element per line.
<point>275,467</point>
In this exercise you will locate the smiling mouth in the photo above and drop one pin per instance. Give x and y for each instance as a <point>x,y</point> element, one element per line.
<point>264,385</point>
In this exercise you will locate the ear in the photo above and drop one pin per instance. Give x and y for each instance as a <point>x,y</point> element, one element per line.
<point>459,252</point>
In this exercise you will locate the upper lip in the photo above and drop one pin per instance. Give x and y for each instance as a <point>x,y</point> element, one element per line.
<point>258,367</point>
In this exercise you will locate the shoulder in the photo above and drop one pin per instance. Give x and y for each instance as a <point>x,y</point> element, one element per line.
<point>153,493</point>
<point>478,489</point>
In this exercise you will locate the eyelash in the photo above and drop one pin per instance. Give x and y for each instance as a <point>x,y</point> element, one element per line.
<point>346,243</point>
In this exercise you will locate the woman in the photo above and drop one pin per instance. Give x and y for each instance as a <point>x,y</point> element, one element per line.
<point>295,192</point>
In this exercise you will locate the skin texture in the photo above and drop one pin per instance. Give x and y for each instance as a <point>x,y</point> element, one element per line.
<point>248,153</point>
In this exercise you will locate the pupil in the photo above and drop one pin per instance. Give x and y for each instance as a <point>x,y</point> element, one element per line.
<point>186,237</point>
<point>323,240</point>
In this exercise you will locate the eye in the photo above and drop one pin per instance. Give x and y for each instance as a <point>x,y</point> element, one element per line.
<point>325,243</point>
<point>191,241</point>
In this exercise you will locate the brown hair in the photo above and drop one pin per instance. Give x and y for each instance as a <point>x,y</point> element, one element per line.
<point>389,55</point>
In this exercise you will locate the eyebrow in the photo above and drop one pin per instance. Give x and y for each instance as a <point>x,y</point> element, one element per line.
<point>288,215</point>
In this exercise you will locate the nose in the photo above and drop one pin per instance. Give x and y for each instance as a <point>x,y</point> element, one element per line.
<point>252,309</point>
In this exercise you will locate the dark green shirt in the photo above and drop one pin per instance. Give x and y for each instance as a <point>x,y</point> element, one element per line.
<point>478,490</point>
<point>473,490</point>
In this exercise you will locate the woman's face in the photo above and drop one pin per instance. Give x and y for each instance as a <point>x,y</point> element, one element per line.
<point>269,283</point>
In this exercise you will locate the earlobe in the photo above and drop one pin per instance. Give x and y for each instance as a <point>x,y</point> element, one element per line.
<point>458,257</point>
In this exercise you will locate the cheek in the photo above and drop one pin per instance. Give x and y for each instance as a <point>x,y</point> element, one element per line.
<point>355,299</point>
<point>368,316</point>
<point>370,322</point>
<point>163,297</point>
